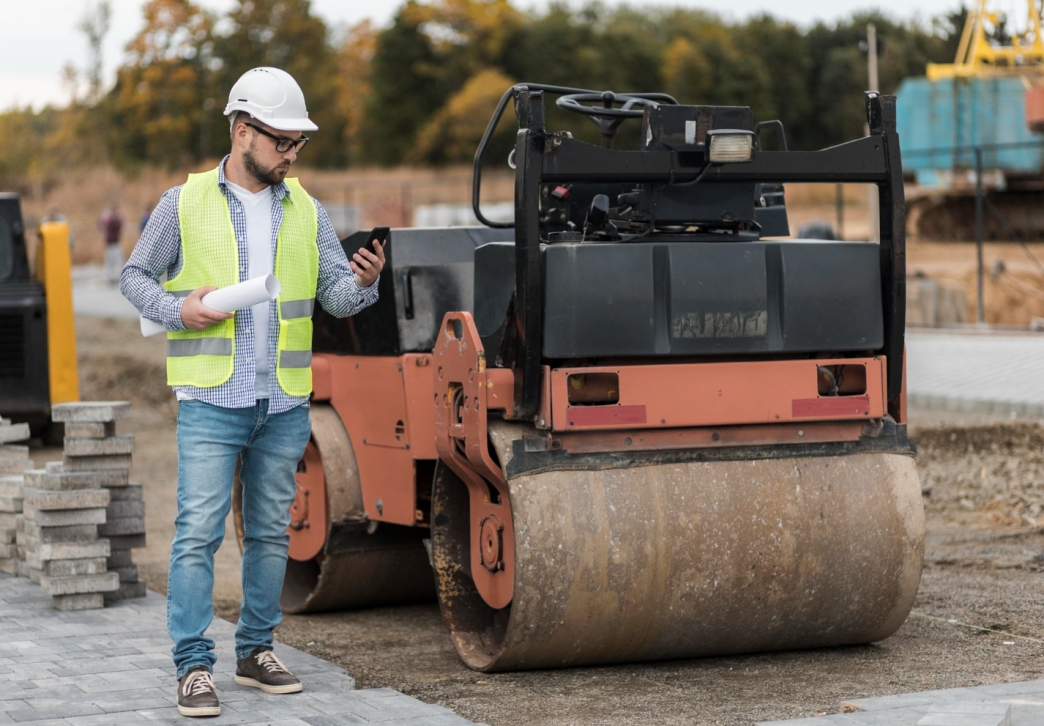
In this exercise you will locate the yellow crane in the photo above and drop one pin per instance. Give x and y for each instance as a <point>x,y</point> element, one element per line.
<point>981,52</point>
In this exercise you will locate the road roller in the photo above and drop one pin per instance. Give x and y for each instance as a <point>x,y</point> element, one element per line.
<point>638,421</point>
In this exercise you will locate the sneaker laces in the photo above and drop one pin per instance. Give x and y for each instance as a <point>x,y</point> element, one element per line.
<point>270,662</point>
<point>199,682</point>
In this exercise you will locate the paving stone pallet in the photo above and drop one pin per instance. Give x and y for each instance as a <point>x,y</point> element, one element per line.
<point>94,455</point>
<point>14,460</point>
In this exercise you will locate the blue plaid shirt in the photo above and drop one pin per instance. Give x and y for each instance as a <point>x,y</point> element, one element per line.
<point>159,251</point>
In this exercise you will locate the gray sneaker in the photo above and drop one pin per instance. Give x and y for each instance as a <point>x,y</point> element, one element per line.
<point>196,694</point>
<point>262,669</point>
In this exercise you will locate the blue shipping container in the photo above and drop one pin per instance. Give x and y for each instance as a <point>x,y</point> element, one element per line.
<point>938,121</point>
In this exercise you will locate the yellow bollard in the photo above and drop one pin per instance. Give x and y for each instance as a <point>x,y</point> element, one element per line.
<point>54,271</point>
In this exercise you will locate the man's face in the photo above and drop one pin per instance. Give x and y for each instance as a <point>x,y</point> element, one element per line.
<point>260,157</point>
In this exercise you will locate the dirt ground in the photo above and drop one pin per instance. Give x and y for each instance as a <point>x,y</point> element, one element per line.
<point>977,619</point>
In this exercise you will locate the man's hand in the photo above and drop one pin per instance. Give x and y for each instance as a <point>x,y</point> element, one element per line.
<point>197,316</point>
<point>367,265</point>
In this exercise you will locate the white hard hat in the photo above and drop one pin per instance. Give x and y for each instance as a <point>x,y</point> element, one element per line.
<point>273,97</point>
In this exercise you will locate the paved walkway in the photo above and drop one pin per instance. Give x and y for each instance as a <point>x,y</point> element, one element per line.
<point>112,667</point>
<point>988,373</point>
<point>1004,704</point>
<point>92,295</point>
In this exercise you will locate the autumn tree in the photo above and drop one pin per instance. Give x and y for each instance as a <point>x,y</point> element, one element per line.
<point>158,97</point>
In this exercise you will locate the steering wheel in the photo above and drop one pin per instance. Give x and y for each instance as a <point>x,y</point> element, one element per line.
<point>607,117</point>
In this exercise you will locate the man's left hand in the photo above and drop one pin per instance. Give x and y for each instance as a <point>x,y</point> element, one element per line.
<point>367,265</point>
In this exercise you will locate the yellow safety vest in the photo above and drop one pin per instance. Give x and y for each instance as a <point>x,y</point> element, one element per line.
<point>210,257</point>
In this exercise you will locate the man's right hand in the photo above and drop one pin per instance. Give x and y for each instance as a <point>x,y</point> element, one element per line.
<point>197,316</point>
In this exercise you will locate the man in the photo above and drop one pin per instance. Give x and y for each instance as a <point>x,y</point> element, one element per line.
<point>111,225</point>
<point>242,380</point>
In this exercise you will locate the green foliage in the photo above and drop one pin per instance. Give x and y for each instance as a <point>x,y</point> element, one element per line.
<point>422,89</point>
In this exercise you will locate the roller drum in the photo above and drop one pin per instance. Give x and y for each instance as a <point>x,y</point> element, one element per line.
<point>361,564</point>
<point>682,560</point>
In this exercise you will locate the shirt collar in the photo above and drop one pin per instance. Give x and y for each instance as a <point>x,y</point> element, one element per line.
<point>279,191</point>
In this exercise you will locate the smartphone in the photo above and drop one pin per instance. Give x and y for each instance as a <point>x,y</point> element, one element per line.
<point>377,234</point>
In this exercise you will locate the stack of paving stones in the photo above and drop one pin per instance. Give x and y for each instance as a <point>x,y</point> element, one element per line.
<point>14,461</point>
<point>94,451</point>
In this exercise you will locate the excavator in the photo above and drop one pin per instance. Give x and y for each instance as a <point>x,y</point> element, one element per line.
<point>637,422</point>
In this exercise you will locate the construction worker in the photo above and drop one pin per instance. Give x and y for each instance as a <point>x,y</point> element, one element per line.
<point>242,380</point>
<point>111,225</point>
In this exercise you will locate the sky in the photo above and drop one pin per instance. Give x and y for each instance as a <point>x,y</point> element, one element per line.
<point>39,37</point>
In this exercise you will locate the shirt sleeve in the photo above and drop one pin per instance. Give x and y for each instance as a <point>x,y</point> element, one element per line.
<point>337,290</point>
<point>155,254</point>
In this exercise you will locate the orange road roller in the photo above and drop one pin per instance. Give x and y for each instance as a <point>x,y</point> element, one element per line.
<point>637,422</point>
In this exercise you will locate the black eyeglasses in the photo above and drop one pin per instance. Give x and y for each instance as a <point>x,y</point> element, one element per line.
<point>283,144</point>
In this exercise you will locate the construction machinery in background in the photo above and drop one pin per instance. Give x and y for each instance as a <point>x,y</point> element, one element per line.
<point>979,122</point>
<point>627,425</point>
<point>38,366</point>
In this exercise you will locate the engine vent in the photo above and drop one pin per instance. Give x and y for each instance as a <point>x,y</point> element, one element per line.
<point>12,346</point>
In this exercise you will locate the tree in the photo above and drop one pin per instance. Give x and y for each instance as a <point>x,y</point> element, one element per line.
<point>454,132</point>
<point>158,98</point>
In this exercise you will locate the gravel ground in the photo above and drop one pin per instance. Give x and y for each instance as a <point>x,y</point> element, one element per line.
<point>984,490</point>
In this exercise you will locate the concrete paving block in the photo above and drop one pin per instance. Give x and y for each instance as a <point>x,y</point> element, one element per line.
<point>9,567</point>
<point>90,430</point>
<point>70,568</point>
<point>72,499</point>
<point>13,432</point>
<point>120,444</point>
<point>127,591</point>
<point>77,479</point>
<point>74,550</point>
<point>11,486</point>
<point>16,453</point>
<point>67,517</point>
<point>119,558</point>
<point>129,493</point>
<point>122,526</point>
<point>91,411</point>
<point>128,573</point>
<point>124,508</point>
<point>96,463</point>
<point>15,467</point>
<point>79,601</point>
<point>71,533</point>
<point>63,480</point>
<point>105,582</point>
<point>11,504</point>
<point>8,551</point>
<point>128,542</point>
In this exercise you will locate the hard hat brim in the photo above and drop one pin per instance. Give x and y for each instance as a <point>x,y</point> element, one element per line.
<point>282,124</point>
<point>291,124</point>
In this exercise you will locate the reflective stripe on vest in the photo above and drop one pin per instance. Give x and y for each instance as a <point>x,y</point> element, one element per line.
<point>297,308</point>
<point>210,257</point>
<point>198,346</point>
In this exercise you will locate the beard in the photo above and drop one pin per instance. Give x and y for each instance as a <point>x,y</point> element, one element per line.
<point>271,176</point>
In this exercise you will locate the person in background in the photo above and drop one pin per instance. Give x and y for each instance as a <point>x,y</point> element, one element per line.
<point>53,215</point>
<point>111,226</point>
<point>145,217</point>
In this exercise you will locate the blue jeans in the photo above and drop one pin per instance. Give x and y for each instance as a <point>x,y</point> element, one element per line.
<point>211,440</point>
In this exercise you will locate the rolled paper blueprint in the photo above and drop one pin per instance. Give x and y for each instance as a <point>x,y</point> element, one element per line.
<point>229,299</point>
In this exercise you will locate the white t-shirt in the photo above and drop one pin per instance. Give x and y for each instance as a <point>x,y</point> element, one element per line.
<point>258,208</point>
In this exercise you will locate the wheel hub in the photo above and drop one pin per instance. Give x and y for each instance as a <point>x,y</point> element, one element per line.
<point>491,544</point>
